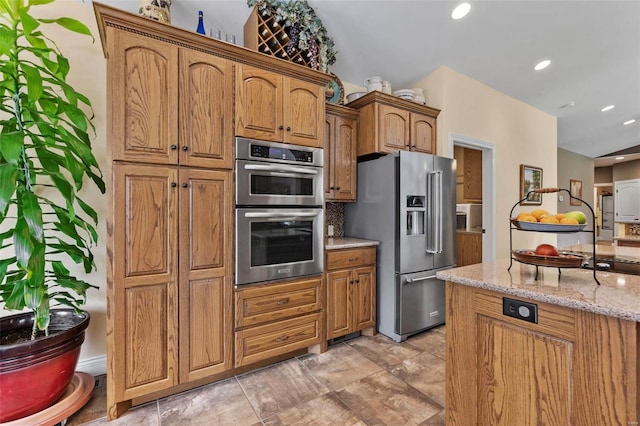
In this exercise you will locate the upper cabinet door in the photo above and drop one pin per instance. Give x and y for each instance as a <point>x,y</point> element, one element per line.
<point>206,110</point>
<point>259,104</point>
<point>394,128</point>
<point>303,113</point>
<point>423,133</point>
<point>344,159</point>
<point>143,87</point>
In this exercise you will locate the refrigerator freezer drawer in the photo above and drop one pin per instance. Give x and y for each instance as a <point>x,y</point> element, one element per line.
<point>421,300</point>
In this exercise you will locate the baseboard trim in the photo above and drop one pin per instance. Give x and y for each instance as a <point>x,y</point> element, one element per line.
<point>95,366</point>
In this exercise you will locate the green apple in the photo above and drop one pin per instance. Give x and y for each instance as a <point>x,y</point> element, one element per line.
<point>577,215</point>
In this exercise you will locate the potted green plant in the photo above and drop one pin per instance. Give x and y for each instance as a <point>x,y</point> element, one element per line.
<point>45,159</point>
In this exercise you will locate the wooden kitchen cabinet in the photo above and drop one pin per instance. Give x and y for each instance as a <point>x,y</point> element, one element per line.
<point>162,107</point>
<point>172,312</point>
<point>273,107</point>
<point>468,248</point>
<point>278,317</point>
<point>351,291</point>
<point>388,124</point>
<point>571,367</point>
<point>468,175</point>
<point>340,137</point>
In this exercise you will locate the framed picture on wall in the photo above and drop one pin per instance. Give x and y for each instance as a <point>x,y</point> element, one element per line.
<point>530,179</point>
<point>575,188</point>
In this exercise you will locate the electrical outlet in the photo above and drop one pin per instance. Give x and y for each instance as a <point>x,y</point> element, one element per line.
<point>330,231</point>
<point>521,310</point>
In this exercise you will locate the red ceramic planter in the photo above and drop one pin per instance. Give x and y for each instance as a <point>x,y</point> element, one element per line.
<point>35,374</point>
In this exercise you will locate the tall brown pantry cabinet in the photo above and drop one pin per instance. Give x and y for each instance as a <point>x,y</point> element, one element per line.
<point>173,208</point>
<point>172,95</point>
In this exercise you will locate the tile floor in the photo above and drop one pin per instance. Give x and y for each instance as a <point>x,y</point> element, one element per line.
<point>363,381</point>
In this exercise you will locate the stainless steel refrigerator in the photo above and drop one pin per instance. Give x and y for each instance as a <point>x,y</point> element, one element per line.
<point>407,202</point>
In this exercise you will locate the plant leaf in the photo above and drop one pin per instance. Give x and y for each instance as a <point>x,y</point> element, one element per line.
<point>8,179</point>
<point>23,243</point>
<point>70,24</point>
<point>11,145</point>
<point>29,24</point>
<point>42,314</point>
<point>34,82</point>
<point>15,300</point>
<point>32,214</point>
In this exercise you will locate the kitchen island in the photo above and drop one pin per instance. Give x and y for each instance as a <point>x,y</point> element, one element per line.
<point>558,350</point>
<point>622,259</point>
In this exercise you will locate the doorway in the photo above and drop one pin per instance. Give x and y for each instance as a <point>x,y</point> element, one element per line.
<point>487,151</point>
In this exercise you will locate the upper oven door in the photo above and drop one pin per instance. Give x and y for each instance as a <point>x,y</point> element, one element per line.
<point>266,183</point>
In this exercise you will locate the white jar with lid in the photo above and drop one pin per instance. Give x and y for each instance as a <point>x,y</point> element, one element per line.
<point>373,83</point>
<point>386,87</point>
<point>419,98</point>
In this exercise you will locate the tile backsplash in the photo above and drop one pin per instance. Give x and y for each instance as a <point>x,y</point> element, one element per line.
<point>334,215</point>
<point>633,230</point>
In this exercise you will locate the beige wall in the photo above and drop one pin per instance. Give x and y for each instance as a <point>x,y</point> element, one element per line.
<point>88,76</point>
<point>627,170</point>
<point>603,175</point>
<point>520,133</point>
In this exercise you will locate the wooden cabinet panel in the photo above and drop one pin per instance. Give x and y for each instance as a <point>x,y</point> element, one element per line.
<point>276,301</point>
<point>259,112</point>
<point>143,85</point>
<point>303,112</point>
<point>338,301</point>
<point>524,376</point>
<point>351,290</point>
<point>571,367</point>
<point>423,133</point>
<point>144,305</point>
<point>340,165</point>
<point>276,108</point>
<point>206,110</point>
<point>265,341</point>
<point>468,248</point>
<point>472,175</point>
<point>364,298</point>
<point>206,241</point>
<point>394,129</point>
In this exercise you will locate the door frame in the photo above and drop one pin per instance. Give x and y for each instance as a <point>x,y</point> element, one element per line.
<point>488,189</point>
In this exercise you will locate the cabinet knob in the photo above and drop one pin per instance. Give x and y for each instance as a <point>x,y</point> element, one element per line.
<point>332,187</point>
<point>174,147</point>
<point>282,339</point>
<point>173,184</point>
<point>184,148</point>
<point>288,129</point>
<point>351,282</point>
<point>338,188</point>
<point>280,127</point>
<point>184,185</point>
<point>283,301</point>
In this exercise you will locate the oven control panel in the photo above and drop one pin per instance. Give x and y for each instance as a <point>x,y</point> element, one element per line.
<point>279,153</point>
<point>275,152</point>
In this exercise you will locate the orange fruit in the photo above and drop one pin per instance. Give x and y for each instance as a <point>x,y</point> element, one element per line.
<point>569,221</point>
<point>539,213</point>
<point>549,219</point>
<point>522,214</point>
<point>559,216</point>
<point>528,218</point>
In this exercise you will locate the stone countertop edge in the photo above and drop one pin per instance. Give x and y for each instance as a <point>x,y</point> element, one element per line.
<point>348,242</point>
<point>618,295</point>
<point>628,238</point>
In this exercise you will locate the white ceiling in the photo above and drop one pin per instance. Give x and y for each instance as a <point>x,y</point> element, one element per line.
<point>594,48</point>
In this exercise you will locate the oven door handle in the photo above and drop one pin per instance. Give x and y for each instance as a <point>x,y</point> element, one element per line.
<point>278,215</point>
<point>281,168</point>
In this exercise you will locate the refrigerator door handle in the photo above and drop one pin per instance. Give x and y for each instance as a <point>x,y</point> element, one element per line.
<point>434,182</point>
<point>415,280</point>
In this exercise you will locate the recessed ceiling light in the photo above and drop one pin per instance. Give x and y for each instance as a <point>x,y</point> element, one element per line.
<point>607,108</point>
<point>460,11</point>
<point>626,123</point>
<point>568,105</point>
<point>542,65</point>
<point>619,158</point>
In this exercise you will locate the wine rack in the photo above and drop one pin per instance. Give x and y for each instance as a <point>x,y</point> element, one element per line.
<point>262,32</point>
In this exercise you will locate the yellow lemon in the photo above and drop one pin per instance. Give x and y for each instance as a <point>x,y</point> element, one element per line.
<point>569,221</point>
<point>549,219</point>
<point>539,213</point>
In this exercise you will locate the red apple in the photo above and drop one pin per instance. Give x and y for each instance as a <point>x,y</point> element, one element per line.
<point>546,250</point>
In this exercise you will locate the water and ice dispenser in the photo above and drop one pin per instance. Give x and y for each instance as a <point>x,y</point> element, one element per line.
<point>415,214</point>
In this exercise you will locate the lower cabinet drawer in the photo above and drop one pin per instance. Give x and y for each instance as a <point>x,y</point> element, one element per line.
<point>266,341</point>
<point>350,258</point>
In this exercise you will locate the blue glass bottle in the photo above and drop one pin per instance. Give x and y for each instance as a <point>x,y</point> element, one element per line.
<point>200,28</point>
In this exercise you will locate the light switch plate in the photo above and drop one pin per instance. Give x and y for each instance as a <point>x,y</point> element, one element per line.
<point>330,231</point>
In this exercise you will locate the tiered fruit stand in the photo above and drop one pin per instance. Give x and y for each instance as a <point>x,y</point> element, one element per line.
<point>566,259</point>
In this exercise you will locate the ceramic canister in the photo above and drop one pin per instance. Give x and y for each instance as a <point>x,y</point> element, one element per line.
<point>373,83</point>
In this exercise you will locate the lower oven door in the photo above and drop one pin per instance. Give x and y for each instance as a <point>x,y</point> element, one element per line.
<point>280,243</point>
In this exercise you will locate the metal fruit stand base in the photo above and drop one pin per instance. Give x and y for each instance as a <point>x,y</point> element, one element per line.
<point>566,259</point>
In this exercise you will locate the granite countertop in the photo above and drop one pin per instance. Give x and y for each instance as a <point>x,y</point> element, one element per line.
<point>348,242</point>
<point>615,253</point>
<point>617,296</point>
<point>628,238</point>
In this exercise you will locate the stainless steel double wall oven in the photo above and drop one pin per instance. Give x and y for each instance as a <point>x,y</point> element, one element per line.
<point>279,219</point>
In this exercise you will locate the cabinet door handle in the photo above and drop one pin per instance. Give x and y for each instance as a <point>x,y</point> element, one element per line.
<point>184,148</point>
<point>332,187</point>
<point>281,127</point>
<point>282,339</point>
<point>351,282</point>
<point>338,188</point>
<point>174,147</point>
<point>288,129</point>
<point>283,301</point>
<point>173,184</point>
<point>184,185</point>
